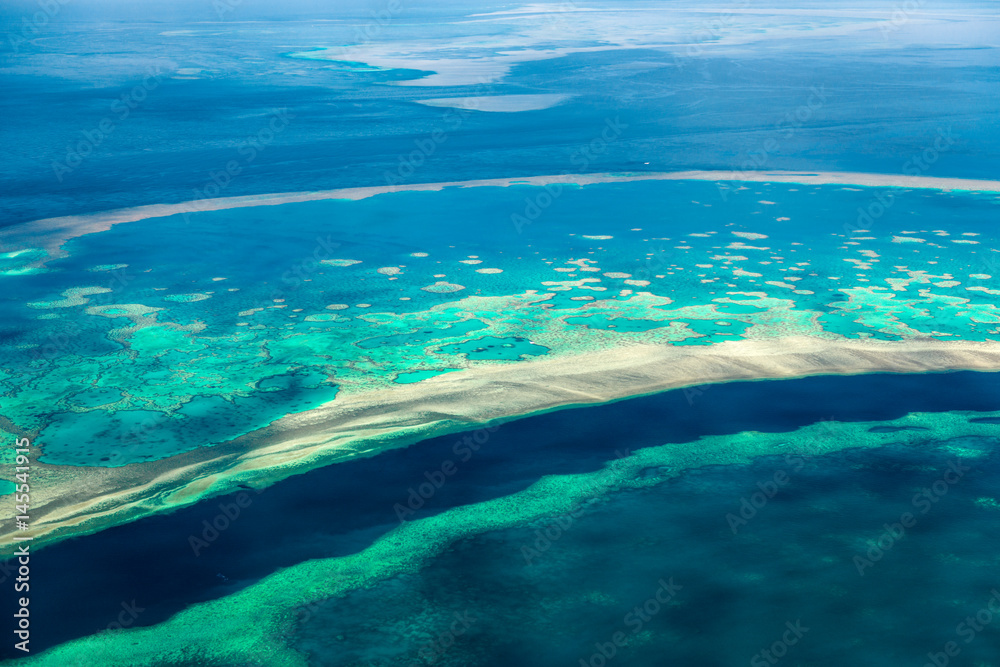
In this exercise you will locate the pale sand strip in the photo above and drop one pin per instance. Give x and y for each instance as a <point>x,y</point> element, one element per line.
<point>52,233</point>
<point>370,422</point>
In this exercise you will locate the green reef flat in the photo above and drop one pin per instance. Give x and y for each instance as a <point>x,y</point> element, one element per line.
<point>164,340</point>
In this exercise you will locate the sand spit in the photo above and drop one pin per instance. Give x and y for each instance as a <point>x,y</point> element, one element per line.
<point>71,501</point>
<point>52,233</point>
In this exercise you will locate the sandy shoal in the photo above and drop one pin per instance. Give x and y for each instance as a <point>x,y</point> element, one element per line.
<point>69,501</point>
<point>51,233</point>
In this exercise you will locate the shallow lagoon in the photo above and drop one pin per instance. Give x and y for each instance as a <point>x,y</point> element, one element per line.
<point>690,264</point>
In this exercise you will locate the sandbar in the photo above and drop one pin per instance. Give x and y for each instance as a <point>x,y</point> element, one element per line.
<point>70,501</point>
<point>51,233</point>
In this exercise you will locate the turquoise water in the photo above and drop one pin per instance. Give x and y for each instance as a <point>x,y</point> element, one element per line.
<point>423,336</point>
<point>128,346</point>
<point>114,437</point>
<point>715,332</point>
<point>417,376</point>
<point>615,323</point>
<point>400,284</point>
<point>490,347</point>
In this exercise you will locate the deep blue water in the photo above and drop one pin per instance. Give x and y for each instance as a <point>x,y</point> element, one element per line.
<point>883,102</point>
<point>784,589</point>
<point>339,510</point>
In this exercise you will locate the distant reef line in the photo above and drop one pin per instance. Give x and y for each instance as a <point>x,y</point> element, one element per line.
<point>71,501</point>
<point>51,233</point>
